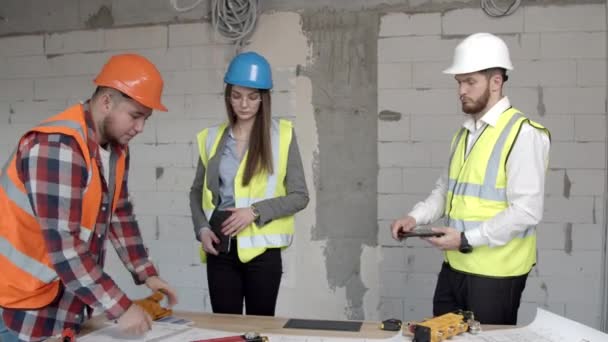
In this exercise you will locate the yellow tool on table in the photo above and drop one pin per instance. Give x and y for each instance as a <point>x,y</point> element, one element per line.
<point>443,327</point>
<point>151,305</point>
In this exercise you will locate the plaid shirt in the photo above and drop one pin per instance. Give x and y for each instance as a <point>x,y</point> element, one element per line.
<point>54,172</point>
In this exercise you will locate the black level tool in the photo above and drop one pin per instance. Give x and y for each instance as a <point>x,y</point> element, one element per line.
<point>392,324</point>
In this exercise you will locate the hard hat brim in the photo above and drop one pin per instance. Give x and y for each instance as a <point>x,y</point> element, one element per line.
<point>459,71</point>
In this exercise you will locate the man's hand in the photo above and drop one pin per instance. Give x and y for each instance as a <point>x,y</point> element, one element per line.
<point>401,226</point>
<point>239,220</point>
<point>135,321</point>
<point>155,283</point>
<point>449,241</point>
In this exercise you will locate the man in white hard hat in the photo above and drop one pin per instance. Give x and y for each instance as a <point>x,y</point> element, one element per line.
<point>491,195</point>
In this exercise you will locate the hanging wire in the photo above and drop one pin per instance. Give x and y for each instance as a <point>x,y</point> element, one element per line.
<point>185,8</point>
<point>234,19</point>
<point>494,10</point>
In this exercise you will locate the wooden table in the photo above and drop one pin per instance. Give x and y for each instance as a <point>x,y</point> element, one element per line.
<point>262,324</point>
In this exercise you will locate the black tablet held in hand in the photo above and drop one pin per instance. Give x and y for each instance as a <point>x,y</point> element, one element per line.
<point>422,232</point>
<point>217,218</point>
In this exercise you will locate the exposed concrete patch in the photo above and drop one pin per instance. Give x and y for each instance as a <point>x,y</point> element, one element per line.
<point>342,258</point>
<point>567,184</point>
<point>410,259</point>
<point>295,49</point>
<point>370,274</point>
<point>540,108</point>
<point>568,238</point>
<point>344,76</point>
<point>315,167</point>
<point>157,229</point>
<point>593,211</point>
<point>389,115</point>
<point>545,290</point>
<point>304,262</point>
<point>11,112</point>
<point>102,19</point>
<point>159,172</point>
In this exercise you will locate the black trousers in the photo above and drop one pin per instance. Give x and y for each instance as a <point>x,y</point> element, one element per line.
<point>492,300</point>
<point>256,282</point>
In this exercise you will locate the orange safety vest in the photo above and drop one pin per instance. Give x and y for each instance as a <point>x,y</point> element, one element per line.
<point>28,279</point>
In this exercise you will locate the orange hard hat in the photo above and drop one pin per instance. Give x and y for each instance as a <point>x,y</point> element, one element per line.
<point>136,77</point>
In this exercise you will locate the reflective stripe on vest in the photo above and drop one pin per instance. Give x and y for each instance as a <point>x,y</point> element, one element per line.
<point>265,241</point>
<point>32,266</point>
<point>254,240</point>
<point>471,199</point>
<point>488,189</point>
<point>12,191</point>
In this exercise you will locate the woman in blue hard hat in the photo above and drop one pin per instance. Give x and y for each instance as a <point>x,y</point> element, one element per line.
<point>248,185</point>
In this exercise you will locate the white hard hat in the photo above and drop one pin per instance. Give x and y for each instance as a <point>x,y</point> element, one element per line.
<point>478,52</point>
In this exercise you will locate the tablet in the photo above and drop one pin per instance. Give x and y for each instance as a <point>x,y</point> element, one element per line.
<point>424,232</point>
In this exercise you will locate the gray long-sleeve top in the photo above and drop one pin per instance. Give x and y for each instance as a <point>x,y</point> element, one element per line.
<point>295,200</point>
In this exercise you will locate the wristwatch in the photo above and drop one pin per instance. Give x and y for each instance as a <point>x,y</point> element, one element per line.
<point>465,247</point>
<point>256,212</point>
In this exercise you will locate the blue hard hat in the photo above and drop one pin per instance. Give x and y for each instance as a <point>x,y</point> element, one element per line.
<point>250,70</point>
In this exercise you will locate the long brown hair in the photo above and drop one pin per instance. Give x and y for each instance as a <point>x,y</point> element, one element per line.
<point>259,157</point>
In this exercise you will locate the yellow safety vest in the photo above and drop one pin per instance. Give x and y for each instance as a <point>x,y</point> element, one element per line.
<point>477,192</point>
<point>253,240</point>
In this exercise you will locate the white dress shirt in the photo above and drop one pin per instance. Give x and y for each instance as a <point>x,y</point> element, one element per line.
<point>526,170</point>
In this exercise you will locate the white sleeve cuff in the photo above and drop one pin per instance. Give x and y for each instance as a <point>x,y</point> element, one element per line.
<point>419,215</point>
<point>475,238</point>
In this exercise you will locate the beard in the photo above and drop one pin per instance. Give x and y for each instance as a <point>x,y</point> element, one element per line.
<point>108,131</point>
<point>476,106</point>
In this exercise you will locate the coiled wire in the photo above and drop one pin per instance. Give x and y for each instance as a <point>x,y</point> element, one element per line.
<point>234,19</point>
<point>494,10</point>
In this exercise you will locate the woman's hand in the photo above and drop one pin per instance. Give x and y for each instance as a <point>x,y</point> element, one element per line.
<point>240,218</point>
<point>208,238</point>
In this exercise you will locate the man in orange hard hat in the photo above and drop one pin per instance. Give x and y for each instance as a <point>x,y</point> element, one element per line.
<point>63,192</point>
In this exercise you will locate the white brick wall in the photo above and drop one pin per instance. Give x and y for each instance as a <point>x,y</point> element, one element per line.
<point>136,38</point>
<point>401,24</point>
<point>191,34</point>
<point>16,89</point>
<point>427,48</point>
<point>559,80</point>
<point>391,131</point>
<point>22,46</point>
<point>591,72</point>
<point>580,45</point>
<point>73,88</point>
<point>564,19</point>
<point>394,75</point>
<point>404,154</point>
<point>465,21</point>
<point>70,42</point>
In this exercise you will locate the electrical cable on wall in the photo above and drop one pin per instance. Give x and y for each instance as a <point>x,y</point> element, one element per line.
<point>494,10</point>
<point>234,19</point>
